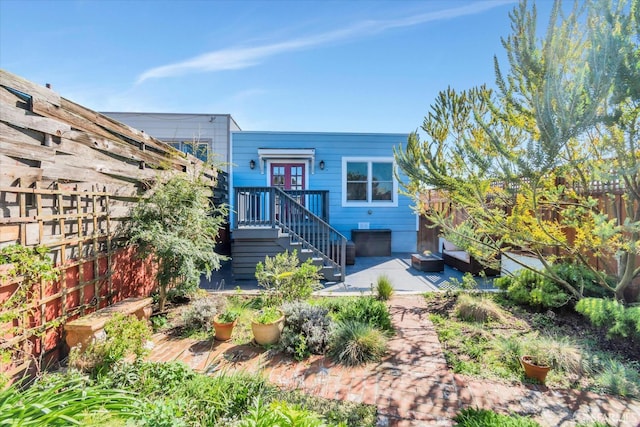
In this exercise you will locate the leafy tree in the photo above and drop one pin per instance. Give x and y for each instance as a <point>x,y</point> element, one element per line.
<point>519,164</point>
<point>178,224</point>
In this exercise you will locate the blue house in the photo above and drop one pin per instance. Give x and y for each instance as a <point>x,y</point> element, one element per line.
<point>317,193</point>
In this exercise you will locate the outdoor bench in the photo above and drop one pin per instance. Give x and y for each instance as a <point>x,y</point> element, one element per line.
<point>87,328</point>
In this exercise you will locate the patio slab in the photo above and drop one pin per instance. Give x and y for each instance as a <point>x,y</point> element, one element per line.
<point>362,275</point>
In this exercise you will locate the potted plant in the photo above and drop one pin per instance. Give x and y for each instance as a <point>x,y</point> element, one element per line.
<point>536,366</point>
<point>267,325</point>
<point>223,324</point>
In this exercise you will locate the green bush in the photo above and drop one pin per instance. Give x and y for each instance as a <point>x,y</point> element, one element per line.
<point>204,400</point>
<point>178,225</point>
<point>583,279</point>
<point>561,353</point>
<point>279,413</point>
<point>200,313</point>
<point>267,315</point>
<point>470,417</point>
<point>306,330</point>
<point>354,343</point>
<point>62,400</point>
<point>334,411</point>
<point>363,309</point>
<point>285,279</point>
<point>384,288</point>
<point>617,379</point>
<point>125,336</point>
<point>608,313</point>
<point>530,288</point>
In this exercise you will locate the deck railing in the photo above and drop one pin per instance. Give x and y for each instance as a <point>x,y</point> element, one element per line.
<point>301,213</point>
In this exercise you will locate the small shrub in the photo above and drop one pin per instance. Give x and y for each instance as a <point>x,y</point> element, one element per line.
<point>470,417</point>
<point>228,316</point>
<point>341,412</point>
<point>159,323</point>
<point>306,329</point>
<point>164,412</point>
<point>384,288</point>
<point>200,313</point>
<point>509,350</point>
<point>355,343</point>
<point>478,309</point>
<point>618,319</point>
<point>278,413</point>
<point>617,379</point>
<point>285,279</point>
<point>147,378</point>
<point>530,288</point>
<point>584,279</point>
<point>364,309</point>
<point>125,335</point>
<point>62,400</point>
<point>267,315</point>
<point>558,352</point>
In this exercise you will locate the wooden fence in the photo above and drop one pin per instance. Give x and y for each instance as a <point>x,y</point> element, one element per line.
<point>68,178</point>
<point>608,194</point>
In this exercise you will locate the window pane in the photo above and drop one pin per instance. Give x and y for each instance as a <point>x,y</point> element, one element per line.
<point>356,171</point>
<point>382,191</point>
<point>382,171</point>
<point>357,191</point>
<point>203,152</point>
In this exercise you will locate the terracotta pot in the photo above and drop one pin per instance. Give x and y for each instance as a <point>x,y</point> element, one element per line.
<point>223,330</point>
<point>533,371</point>
<point>267,333</point>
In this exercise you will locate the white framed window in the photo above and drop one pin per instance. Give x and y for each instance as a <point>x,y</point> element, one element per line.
<point>369,181</point>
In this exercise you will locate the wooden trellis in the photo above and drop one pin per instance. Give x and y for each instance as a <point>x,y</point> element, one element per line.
<point>68,178</point>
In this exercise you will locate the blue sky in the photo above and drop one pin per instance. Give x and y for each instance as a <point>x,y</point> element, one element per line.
<point>353,66</point>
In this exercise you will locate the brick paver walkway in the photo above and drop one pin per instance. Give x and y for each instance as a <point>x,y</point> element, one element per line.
<point>410,387</point>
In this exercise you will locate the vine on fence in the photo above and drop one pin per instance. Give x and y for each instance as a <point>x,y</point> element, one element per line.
<point>23,266</point>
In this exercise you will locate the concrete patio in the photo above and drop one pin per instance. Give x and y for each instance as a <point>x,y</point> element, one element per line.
<point>362,275</point>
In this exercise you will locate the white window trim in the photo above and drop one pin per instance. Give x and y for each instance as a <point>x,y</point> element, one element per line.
<point>369,160</point>
<point>266,155</point>
<point>288,161</point>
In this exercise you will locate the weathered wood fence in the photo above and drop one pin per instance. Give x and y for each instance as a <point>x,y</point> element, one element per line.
<point>68,177</point>
<point>610,201</point>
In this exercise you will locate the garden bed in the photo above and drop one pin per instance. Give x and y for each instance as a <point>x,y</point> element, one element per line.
<point>592,361</point>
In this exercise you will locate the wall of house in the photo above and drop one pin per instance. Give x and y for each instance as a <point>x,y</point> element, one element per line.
<point>330,148</point>
<point>172,127</point>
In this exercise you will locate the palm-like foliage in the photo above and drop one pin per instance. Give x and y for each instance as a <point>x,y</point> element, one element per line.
<point>62,401</point>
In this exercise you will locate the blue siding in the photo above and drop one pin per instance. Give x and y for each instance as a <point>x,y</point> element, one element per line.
<point>330,148</point>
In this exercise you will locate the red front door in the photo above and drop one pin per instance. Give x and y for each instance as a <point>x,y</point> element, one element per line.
<point>287,176</point>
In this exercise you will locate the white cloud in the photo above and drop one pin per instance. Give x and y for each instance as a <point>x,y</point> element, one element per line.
<point>244,57</point>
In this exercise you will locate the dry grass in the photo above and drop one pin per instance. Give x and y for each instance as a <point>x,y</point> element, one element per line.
<point>478,309</point>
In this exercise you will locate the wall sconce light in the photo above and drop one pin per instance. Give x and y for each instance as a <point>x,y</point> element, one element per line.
<point>252,164</point>
<point>321,165</point>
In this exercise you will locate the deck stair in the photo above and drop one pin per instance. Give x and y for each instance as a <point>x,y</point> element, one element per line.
<point>270,220</point>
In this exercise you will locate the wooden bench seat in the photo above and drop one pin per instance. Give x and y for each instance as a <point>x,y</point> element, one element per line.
<point>87,328</point>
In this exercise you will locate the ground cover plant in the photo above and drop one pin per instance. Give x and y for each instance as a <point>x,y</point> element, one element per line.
<point>63,400</point>
<point>581,355</point>
<point>174,394</point>
<point>485,418</point>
